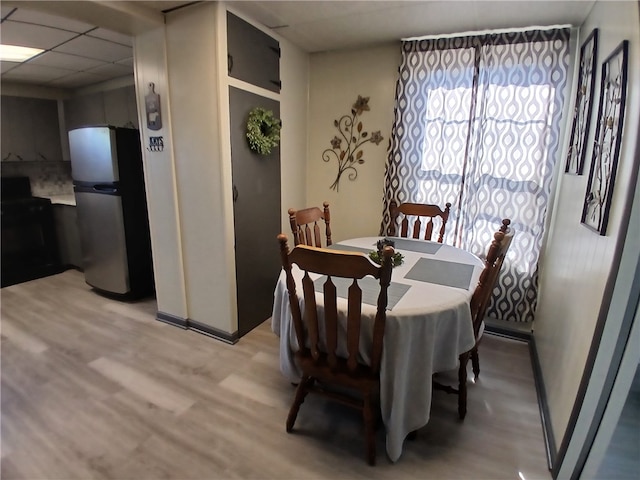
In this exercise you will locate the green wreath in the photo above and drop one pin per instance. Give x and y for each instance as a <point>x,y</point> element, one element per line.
<point>263,131</point>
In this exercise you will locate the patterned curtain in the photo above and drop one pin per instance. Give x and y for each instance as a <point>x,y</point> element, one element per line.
<point>477,122</point>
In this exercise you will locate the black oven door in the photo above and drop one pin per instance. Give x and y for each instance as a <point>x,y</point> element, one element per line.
<point>29,244</point>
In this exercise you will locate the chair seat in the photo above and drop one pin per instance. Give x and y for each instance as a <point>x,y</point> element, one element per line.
<point>361,378</point>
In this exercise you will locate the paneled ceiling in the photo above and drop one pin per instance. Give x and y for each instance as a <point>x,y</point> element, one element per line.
<point>90,42</point>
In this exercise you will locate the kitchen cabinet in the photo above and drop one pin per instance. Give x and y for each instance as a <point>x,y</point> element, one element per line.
<point>68,235</point>
<point>112,107</point>
<point>30,129</point>
<point>120,107</point>
<point>84,110</point>
<point>46,129</point>
<point>5,137</point>
<point>18,142</point>
<point>252,55</point>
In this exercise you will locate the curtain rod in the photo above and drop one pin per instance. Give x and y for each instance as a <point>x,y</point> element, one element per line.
<point>486,32</point>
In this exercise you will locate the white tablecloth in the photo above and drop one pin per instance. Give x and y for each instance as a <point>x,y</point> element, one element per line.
<point>426,331</point>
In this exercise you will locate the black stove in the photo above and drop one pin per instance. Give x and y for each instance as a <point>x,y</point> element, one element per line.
<point>29,243</point>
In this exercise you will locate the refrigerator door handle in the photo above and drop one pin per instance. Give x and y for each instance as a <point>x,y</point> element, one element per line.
<point>105,189</point>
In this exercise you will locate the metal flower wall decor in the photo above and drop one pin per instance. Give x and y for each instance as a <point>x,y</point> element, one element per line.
<point>349,154</point>
<point>583,105</point>
<point>606,148</point>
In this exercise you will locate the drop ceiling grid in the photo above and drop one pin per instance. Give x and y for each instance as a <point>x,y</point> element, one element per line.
<point>76,53</point>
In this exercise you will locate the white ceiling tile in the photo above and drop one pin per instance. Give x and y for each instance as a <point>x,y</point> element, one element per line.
<point>4,11</point>
<point>116,37</point>
<point>96,48</point>
<point>79,79</point>
<point>34,73</point>
<point>27,35</point>
<point>312,25</point>
<point>330,25</point>
<point>111,70</point>
<point>126,61</point>
<point>6,66</point>
<point>65,60</point>
<point>40,18</point>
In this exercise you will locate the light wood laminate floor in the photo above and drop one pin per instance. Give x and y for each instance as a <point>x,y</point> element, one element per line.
<point>94,388</point>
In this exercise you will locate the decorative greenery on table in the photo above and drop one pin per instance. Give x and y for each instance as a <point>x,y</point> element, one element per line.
<point>354,137</point>
<point>376,255</point>
<point>263,130</point>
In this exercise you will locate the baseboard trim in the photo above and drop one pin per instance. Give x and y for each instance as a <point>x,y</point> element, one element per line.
<point>545,418</point>
<point>172,320</point>
<point>508,333</point>
<point>230,338</point>
<point>547,429</point>
<point>188,324</point>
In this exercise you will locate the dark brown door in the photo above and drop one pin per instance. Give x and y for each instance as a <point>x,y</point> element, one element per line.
<point>257,213</point>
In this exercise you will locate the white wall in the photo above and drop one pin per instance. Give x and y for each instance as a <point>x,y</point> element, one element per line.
<point>336,80</point>
<point>294,101</point>
<point>160,180</point>
<point>577,261</point>
<point>195,122</point>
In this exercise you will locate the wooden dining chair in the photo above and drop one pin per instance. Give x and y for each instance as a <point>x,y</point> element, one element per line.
<point>425,211</point>
<point>479,303</point>
<point>305,225</point>
<point>358,384</point>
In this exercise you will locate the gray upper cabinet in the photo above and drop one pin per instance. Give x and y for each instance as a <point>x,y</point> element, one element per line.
<point>18,135</point>
<point>85,110</point>
<point>30,129</point>
<point>120,107</point>
<point>111,107</point>
<point>253,56</point>
<point>46,130</point>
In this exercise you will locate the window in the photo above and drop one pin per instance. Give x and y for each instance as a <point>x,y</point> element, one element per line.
<point>477,124</point>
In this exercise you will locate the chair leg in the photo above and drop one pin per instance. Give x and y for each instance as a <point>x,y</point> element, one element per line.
<point>475,363</point>
<point>301,393</point>
<point>462,386</point>
<point>369,430</point>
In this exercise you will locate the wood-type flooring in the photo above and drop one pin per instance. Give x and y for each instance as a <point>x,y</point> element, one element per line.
<point>94,388</point>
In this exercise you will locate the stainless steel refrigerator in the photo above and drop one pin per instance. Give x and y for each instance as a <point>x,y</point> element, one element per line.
<point>108,182</point>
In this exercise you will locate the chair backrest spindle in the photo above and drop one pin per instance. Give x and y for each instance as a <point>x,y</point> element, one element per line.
<point>418,211</point>
<point>305,225</point>
<point>331,366</point>
<point>335,264</point>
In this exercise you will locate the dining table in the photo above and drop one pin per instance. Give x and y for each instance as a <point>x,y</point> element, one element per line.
<point>428,325</point>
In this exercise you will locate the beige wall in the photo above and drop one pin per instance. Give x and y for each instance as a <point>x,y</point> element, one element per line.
<point>160,182</point>
<point>294,74</point>
<point>336,80</point>
<point>577,261</point>
<point>195,123</point>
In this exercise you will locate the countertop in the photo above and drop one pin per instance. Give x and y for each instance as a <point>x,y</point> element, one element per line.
<point>68,199</point>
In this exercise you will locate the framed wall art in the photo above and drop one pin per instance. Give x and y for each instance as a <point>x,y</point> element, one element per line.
<point>583,105</point>
<point>606,147</point>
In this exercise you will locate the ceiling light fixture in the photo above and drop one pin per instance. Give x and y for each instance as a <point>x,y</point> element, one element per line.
<point>14,53</point>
